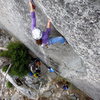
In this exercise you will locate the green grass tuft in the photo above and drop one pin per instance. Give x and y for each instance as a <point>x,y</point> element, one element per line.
<point>9,85</point>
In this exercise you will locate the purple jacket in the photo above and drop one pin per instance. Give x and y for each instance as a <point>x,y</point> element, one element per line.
<point>45,34</point>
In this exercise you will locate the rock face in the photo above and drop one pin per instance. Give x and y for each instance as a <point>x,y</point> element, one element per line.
<point>23,89</point>
<point>4,40</point>
<point>78,21</point>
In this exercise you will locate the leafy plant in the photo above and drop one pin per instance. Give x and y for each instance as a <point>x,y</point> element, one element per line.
<point>4,69</point>
<point>9,85</point>
<point>20,58</point>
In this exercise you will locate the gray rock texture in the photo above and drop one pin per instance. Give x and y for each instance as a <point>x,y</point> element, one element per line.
<point>78,21</point>
<point>4,38</point>
<point>23,89</point>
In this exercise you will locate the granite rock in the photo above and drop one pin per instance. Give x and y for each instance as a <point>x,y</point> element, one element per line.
<point>78,21</point>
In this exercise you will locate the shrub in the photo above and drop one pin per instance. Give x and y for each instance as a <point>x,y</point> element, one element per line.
<point>9,85</point>
<point>20,58</point>
<point>4,69</point>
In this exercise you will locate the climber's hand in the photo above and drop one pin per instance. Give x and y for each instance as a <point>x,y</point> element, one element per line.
<point>49,23</point>
<point>32,6</point>
<point>49,20</point>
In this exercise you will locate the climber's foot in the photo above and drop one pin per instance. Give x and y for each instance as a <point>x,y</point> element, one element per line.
<point>65,43</point>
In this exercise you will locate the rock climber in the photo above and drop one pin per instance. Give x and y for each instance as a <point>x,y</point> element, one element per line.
<point>42,38</point>
<point>34,66</point>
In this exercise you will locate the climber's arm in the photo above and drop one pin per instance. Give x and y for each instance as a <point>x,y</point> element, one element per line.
<point>33,17</point>
<point>48,27</point>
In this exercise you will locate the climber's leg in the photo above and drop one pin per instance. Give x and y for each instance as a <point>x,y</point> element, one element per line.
<point>55,40</point>
<point>32,11</point>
